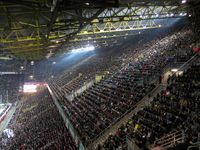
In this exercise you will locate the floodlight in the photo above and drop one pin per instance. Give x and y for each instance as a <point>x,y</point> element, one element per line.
<point>183,1</point>
<point>32,62</point>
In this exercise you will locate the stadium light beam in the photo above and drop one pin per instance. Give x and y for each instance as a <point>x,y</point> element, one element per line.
<point>84,49</point>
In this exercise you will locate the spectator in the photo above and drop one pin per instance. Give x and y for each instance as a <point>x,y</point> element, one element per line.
<point>38,125</point>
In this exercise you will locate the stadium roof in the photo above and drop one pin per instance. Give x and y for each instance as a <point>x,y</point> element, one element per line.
<point>32,29</point>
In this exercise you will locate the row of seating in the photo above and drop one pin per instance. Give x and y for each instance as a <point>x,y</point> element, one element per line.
<point>104,103</point>
<point>175,108</point>
<point>72,80</point>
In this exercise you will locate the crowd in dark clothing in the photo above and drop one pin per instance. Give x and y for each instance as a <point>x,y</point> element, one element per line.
<point>73,79</point>
<point>76,77</point>
<point>9,87</point>
<point>37,124</point>
<point>7,65</point>
<point>106,101</point>
<point>176,108</point>
<point>125,81</point>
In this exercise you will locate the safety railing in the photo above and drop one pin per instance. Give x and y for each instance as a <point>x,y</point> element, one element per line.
<point>76,93</point>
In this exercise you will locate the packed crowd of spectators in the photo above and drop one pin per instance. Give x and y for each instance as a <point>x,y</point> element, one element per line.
<point>127,79</point>
<point>37,124</point>
<point>104,103</point>
<point>7,65</point>
<point>175,108</point>
<point>73,79</point>
<point>9,87</point>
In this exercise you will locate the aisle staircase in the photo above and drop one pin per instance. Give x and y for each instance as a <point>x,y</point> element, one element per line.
<point>171,139</point>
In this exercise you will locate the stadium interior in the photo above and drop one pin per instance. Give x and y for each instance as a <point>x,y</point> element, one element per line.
<point>99,74</point>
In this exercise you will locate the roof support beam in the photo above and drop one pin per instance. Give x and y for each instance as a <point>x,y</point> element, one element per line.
<point>53,16</point>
